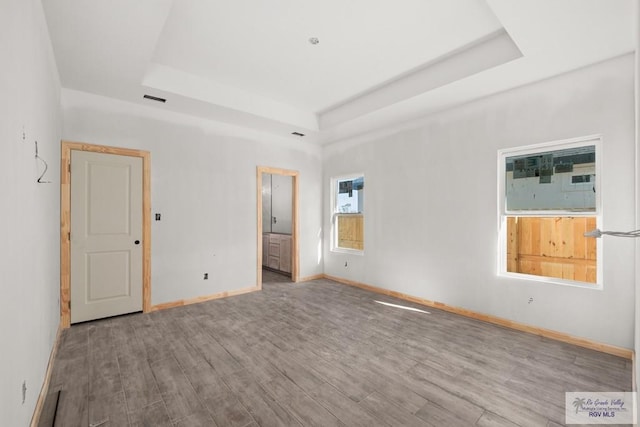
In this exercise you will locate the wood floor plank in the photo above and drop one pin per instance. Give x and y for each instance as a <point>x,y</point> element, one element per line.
<point>151,415</point>
<point>489,419</point>
<point>138,382</point>
<point>290,368</point>
<point>100,337</point>
<point>306,410</point>
<point>73,408</point>
<point>169,376</point>
<point>206,382</point>
<point>384,381</point>
<point>198,419</point>
<point>389,413</point>
<point>216,355</point>
<point>250,358</point>
<point>126,340</point>
<point>343,408</point>
<point>438,416</point>
<point>176,391</point>
<point>104,373</point>
<point>227,410</point>
<point>111,407</point>
<point>181,405</point>
<point>482,397</point>
<point>150,335</point>
<point>350,385</point>
<point>263,408</point>
<point>70,369</point>
<point>463,409</point>
<point>186,355</point>
<point>318,353</point>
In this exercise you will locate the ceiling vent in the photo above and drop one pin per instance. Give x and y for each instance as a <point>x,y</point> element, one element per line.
<point>155,98</point>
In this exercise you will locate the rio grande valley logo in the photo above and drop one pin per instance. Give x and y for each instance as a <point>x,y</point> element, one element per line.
<point>600,408</point>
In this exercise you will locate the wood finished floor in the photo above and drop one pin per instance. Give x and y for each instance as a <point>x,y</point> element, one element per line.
<point>317,354</point>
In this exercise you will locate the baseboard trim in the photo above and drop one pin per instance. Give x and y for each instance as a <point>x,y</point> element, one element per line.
<point>44,390</point>
<point>547,333</point>
<point>310,278</point>
<point>204,298</point>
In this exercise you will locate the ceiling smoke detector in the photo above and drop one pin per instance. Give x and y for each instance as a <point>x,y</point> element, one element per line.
<point>314,40</point>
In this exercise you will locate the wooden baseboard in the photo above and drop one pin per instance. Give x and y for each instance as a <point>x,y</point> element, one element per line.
<point>548,333</point>
<point>196,300</point>
<point>309,278</point>
<point>35,419</point>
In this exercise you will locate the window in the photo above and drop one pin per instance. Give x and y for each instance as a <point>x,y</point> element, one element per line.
<point>348,213</point>
<point>549,197</point>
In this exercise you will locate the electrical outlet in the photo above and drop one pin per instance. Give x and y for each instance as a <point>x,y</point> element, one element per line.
<point>206,276</point>
<point>158,216</point>
<point>530,300</point>
<point>24,391</point>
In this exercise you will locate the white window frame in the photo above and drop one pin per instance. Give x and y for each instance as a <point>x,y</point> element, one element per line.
<point>335,213</point>
<point>503,213</point>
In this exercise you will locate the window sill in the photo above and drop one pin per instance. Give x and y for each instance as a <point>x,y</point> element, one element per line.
<point>551,280</point>
<point>348,251</point>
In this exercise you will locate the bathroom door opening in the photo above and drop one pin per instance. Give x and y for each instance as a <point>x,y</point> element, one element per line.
<point>277,240</point>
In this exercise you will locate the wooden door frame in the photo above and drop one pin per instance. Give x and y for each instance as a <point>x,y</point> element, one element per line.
<point>295,270</point>
<point>65,221</point>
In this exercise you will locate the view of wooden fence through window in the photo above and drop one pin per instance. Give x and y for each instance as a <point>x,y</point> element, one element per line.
<point>349,212</point>
<point>552,247</point>
<point>351,231</point>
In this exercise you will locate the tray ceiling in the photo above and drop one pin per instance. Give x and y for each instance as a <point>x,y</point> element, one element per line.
<point>251,64</point>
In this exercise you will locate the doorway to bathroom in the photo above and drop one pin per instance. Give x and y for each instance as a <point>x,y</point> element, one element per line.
<point>277,225</point>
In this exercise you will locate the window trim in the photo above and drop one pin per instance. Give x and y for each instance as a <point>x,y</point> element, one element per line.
<point>335,214</point>
<point>503,213</point>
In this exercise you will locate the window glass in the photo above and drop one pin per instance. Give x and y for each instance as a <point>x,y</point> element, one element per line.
<point>348,213</point>
<point>549,200</point>
<point>350,195</point>
<point>558,180</point>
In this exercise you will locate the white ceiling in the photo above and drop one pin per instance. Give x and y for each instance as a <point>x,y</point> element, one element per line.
<point>378,63</point>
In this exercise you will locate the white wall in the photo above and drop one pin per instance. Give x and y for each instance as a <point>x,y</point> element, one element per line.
<point>203,183</point>
<point>431,226</point>
<point>29,236</point>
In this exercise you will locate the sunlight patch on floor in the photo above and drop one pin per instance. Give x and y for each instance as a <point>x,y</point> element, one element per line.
<point>404,307</point>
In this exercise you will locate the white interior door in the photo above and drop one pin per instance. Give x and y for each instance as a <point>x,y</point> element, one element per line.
<point>106,235</point>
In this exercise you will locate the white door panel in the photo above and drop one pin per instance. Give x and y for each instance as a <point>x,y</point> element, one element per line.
<point>106,234</point>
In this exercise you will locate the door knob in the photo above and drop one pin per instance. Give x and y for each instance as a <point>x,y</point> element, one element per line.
<point>137,242</point>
